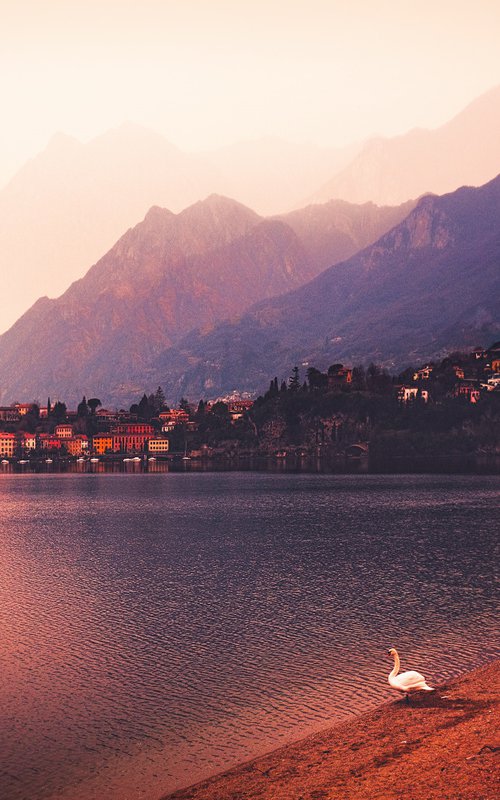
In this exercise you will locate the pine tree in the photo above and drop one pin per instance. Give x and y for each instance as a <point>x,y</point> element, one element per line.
<point>293,381</point>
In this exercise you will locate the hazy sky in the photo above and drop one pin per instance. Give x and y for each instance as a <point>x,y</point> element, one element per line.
<point>209,72</point>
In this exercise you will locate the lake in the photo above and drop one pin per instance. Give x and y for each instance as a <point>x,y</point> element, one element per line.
<point>157,628</point>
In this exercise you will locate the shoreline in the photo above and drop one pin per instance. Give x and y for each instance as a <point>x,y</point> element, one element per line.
<point>445,745</point>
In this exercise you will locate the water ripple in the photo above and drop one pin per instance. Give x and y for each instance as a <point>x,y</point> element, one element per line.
<point>157,628</point>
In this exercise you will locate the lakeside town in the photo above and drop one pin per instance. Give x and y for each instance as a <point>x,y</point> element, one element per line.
<point>446,408</point>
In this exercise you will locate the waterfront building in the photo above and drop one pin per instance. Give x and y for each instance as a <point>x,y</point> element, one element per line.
<point>77,445</point>
<point>50,442</point>
<point>102,443</point>
<point>7,444</point>
<point>158,445</point>
<point>28,441</point>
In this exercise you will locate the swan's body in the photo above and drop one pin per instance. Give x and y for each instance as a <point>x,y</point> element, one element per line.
<point>406,682</point>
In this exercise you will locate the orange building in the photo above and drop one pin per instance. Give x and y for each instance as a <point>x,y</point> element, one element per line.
<point>7,444</point>
<point>77,445</point>
<point>102,443</point>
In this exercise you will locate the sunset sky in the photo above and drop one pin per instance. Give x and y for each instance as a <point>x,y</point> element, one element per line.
<point>210,72</point>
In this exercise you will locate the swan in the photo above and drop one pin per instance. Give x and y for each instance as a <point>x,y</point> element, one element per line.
<point>406,682</point>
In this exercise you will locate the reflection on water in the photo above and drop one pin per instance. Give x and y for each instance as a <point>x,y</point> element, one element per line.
<point>155,628</point>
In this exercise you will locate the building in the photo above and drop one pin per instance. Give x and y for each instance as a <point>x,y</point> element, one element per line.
<point>339,376</point>
<point>9,414</point>
<point>176,416</point>
<point>28,441</point>
<point>77,445</point>
<point>102,443</point>
<point>237,408</point>
<point>63,431</point>
<point>23,408</point>
<point>468,389</point>
<point>423,374</point>
<point>158,445</point>
<point>7,444</point>
<point>134,429</point>
<point>50,442</point>
<point>130,442</point>
<point>408,394</point>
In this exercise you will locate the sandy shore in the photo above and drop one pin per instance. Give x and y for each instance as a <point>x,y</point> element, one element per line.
<point>444,746</point>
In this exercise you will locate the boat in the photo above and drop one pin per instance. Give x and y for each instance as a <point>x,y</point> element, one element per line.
<point>136,458</point>
<point>151,458</point>
<point>48,461</point>
<point>94,460</point>
<point>80,459</point>
<point>127,459</point>
<point>4,461</point>
<point>23,461</point>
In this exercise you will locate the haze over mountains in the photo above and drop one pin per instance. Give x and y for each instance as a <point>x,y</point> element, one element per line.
<point>168,275</point>
<point>464,151</point>
<point>69,205</point>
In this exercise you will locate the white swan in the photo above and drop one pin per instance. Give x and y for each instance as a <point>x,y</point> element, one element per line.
<point>406,682</point>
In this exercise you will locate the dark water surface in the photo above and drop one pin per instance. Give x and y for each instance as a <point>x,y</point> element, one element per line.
<point>157,628</point>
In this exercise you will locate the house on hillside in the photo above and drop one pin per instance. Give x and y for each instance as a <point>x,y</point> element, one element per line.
<point>408,394</point>
<point>339,376</point>
<point>424,373</point>
<point>63,431</point>
<point>467,389</point>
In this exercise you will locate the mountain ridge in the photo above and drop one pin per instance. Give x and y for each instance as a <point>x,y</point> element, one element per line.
<point>389,171</point>
<point>430,284</point>
<point>165,276</point>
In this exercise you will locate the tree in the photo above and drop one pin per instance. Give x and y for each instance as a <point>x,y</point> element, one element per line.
<point>293,381</point>
<point>144,409</point>
<point>184,406</point>
<point>59,411</point>
<point>93,403</point>
<point>159,399</point>
<point>83,409</point>
<point>359,378</point>
<point>317,380</point>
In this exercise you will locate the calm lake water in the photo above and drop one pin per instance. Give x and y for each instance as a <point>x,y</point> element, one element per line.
<point>158,628</point>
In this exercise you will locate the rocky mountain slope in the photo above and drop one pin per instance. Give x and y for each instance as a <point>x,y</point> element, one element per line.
<point>67,206</point>
<point>428,286</point>
<point>465,150</point>
<point>171,274</point>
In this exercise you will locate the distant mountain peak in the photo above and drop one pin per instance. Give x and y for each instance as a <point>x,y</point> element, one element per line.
<point>60,142</point>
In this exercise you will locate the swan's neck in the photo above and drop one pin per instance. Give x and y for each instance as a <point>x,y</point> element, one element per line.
<point>395,669</point>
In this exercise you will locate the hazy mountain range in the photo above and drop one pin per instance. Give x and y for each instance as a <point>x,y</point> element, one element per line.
<point>68,205</point>
<point>427,287</point>
<point>169,303</point>
<point>170,274</point>
<point>464,151</point>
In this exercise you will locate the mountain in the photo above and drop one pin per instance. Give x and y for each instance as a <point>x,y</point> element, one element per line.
<point>67,206</point>
<point>166,276</point>
<point>428,286</point>
<point>465,150</point>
